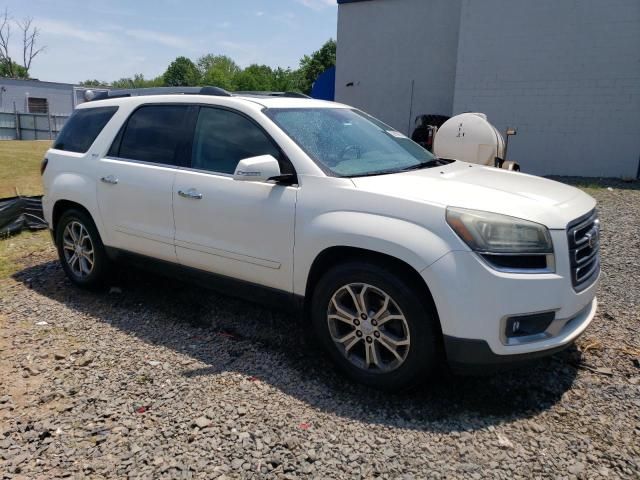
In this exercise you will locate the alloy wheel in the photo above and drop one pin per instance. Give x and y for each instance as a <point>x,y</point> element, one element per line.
<point>78,249</point>
<point>368,327</point>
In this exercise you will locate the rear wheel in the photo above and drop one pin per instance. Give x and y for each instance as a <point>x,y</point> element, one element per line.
<point>374,325</point>
<point>80,249</point>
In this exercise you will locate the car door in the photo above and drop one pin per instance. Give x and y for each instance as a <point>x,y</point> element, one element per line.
<point>136,178</point>
<point>240,229</point>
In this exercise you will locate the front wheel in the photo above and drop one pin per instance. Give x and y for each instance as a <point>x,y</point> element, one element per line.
<point>375,326</point>
<point>80,249</point>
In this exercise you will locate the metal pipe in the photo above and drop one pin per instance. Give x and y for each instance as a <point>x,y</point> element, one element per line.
<point>413,82</point>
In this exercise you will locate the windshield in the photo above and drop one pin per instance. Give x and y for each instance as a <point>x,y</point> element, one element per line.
<point>350,143</point>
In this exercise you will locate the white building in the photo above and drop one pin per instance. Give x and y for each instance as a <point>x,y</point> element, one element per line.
<point>35,110</point>
<point>35,96</point>
<point>565,73</point>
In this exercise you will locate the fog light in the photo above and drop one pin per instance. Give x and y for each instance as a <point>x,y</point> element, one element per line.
<point>525,325</point>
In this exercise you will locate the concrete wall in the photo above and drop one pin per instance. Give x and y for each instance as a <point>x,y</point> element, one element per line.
<point>59,96</point>
<point>383,45</point>
<point>565,73</point>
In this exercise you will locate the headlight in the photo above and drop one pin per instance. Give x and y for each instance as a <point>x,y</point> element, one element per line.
<point>508,243</point>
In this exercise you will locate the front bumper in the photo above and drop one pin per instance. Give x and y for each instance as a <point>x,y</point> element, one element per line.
<point>471,356</point>
<point>473,300</point>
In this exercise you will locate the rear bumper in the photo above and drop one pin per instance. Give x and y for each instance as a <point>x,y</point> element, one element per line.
<point>47,210</point>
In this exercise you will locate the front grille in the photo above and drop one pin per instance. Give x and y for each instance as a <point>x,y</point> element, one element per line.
<point>584,250</point>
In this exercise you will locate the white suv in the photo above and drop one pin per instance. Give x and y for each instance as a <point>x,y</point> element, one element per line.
<point>396,258</point>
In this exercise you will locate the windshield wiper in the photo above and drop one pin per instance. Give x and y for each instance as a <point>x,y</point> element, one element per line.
<point>436,162</point>
<point>429,164</point>
<point>374,174</point>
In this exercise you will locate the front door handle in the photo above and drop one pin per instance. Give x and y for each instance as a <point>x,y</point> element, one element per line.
<point>110,179</point>
<point>191,193</point>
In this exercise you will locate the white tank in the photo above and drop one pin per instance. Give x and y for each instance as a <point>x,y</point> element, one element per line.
<point>469,137</point>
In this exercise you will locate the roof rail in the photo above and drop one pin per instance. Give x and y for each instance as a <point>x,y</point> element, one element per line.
<point>272,94</point>
<point>90,95</point>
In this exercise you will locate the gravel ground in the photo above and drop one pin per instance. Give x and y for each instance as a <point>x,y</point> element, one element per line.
<point>159,379</point>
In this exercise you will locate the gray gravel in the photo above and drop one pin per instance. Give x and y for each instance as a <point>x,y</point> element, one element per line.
<point>159,379</point>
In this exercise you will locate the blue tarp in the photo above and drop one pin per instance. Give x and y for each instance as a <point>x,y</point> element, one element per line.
<point>324,87</point>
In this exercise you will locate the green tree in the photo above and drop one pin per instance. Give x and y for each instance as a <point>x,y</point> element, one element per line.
<point>311,66</point>
<point>94,83</point>
<point>255,77</point>
<point>218,71</point>
<point>28,34</point>
<point>138,81</point>
<point>182,72</point>
<point>222,71</point>
<point>125,82</point>
<point>285,80</point>
<point>14,71</point>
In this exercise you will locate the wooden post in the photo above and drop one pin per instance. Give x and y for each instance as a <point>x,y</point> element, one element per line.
<point>49,119</point>
<point>16,121</point>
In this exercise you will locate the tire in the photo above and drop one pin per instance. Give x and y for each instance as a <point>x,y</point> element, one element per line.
<point>412,363</point>
<point>76,233</point>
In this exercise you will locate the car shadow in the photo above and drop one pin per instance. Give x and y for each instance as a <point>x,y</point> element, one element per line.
<point>227,334</point>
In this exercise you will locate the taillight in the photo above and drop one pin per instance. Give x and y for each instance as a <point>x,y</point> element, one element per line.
<point>43,165</point>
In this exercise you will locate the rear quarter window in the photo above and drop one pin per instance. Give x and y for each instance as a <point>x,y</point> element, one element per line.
<point>82,128</point>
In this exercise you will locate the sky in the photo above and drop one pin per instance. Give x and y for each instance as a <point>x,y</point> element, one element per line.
<point>111,39</point>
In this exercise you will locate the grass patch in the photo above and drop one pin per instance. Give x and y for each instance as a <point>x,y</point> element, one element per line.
<point>15,251</point>
<point>20,166</point>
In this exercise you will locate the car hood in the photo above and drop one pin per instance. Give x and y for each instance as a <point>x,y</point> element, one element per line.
<point>466,185</point>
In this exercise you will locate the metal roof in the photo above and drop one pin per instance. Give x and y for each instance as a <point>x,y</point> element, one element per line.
<point>35,82</point>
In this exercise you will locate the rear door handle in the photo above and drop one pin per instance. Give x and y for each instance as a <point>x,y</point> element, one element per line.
<point>110,179</point>
<point>191,193</point>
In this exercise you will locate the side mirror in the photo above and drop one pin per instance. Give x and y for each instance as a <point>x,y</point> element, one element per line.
<point>257,169</point>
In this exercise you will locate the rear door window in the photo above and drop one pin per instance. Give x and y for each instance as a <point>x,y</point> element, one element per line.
<point>82,128</point>
<point>155,134</point>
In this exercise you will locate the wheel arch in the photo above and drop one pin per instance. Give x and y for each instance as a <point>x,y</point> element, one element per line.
<point>61,206</point>
<point>336,255</point>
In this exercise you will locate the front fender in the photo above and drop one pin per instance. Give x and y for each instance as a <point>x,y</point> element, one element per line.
<point>401,239</point>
